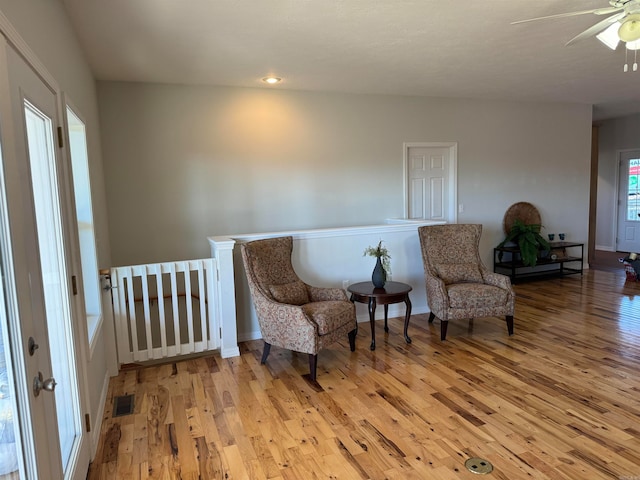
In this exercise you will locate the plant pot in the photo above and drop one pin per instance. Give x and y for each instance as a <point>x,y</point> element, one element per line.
<point>379,276</point>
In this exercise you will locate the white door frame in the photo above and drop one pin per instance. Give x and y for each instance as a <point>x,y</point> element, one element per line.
<point>452,187</point>
<point>618,187</point>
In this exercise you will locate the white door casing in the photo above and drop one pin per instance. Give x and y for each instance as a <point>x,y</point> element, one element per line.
<point>628,214</point>
<point>430,181</point>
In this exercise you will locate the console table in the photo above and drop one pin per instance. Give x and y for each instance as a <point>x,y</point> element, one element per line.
<point>553,264</point>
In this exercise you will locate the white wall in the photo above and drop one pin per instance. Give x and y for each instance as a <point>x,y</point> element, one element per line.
<point>43,24</point>
<point>183,163</point>
<point>614,135</point>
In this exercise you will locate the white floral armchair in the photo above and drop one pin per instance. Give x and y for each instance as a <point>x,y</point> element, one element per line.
<point>292,314</point>
<point>459,286</point>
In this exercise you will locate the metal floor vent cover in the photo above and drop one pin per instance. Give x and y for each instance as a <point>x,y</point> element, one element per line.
<point>479,466</point>
<point>123,405</point>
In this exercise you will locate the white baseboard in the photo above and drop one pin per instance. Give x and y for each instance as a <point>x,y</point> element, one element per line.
<point>230,352</point>
<point>605,248</point>
<point>397,312</point>
<point>96,422</point>
<point>246,336</point>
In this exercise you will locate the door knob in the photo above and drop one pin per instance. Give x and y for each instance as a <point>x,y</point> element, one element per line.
<point>40,384</point>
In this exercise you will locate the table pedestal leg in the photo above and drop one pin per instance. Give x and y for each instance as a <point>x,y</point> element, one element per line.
<point>406,319</point>
<point>386,312</point>
<point>372,320</point>
<point>353,300</point>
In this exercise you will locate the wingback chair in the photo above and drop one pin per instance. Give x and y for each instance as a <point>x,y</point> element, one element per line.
<point>459,286</point>
<point>292,314</point>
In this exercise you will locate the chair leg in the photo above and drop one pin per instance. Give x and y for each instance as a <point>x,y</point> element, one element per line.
<point>265,353</point>
<point>443,329</point>
<point>313,365</point>
<point>431,317</point>
<point>510,324</point>
<point>352,339</point>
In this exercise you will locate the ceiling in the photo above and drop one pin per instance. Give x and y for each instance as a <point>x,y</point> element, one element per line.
<point>438,48</point>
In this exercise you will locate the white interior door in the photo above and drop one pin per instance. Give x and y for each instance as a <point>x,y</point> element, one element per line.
<point>431,180</point>
<point>53,403</point>
<point>628,234</point>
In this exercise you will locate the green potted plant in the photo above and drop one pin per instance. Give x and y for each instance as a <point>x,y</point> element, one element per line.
<point>383,264</point>
<point>529,241</point>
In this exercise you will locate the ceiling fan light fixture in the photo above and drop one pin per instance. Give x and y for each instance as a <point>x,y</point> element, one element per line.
<point>635,45</point>
<point>629,31</point>
<point>609,36</point>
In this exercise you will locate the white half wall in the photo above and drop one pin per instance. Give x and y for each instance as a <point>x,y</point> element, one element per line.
<point>334,257</point>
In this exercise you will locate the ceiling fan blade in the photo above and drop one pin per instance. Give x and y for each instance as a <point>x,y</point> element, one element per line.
<point>607,10</point>
<point>597,28</point>
<point>596,11</point>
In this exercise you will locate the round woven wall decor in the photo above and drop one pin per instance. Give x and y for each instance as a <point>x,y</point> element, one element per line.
<point>523,211</point>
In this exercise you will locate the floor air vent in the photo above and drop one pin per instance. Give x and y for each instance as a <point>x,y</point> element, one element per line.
<point>123,405</point>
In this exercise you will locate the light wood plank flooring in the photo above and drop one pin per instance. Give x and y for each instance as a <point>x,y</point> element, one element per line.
<point>560,399</point>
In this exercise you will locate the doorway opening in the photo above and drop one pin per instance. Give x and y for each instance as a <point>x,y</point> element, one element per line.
<point>628,224</point>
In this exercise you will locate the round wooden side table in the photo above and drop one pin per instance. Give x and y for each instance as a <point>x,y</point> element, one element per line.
<point>392,292</point>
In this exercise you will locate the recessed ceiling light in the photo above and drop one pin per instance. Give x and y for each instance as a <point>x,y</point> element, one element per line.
<point>271,80</point>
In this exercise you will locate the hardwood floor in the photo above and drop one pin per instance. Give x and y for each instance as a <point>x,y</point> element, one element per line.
<point>605,260</point>
<point>560,399</point>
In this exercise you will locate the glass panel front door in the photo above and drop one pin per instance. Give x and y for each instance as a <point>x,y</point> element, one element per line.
<point>52,262</point>
<point>10,437</point>
<point>628,229</point>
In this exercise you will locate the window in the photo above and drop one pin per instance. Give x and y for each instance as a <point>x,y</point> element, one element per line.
<point>84,215</point>
<point>633,193</point>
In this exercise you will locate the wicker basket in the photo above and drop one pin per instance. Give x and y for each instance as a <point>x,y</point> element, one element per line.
<point>523,211</point>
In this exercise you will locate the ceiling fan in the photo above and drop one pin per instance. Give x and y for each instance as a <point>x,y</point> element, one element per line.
<point>622,26</point>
